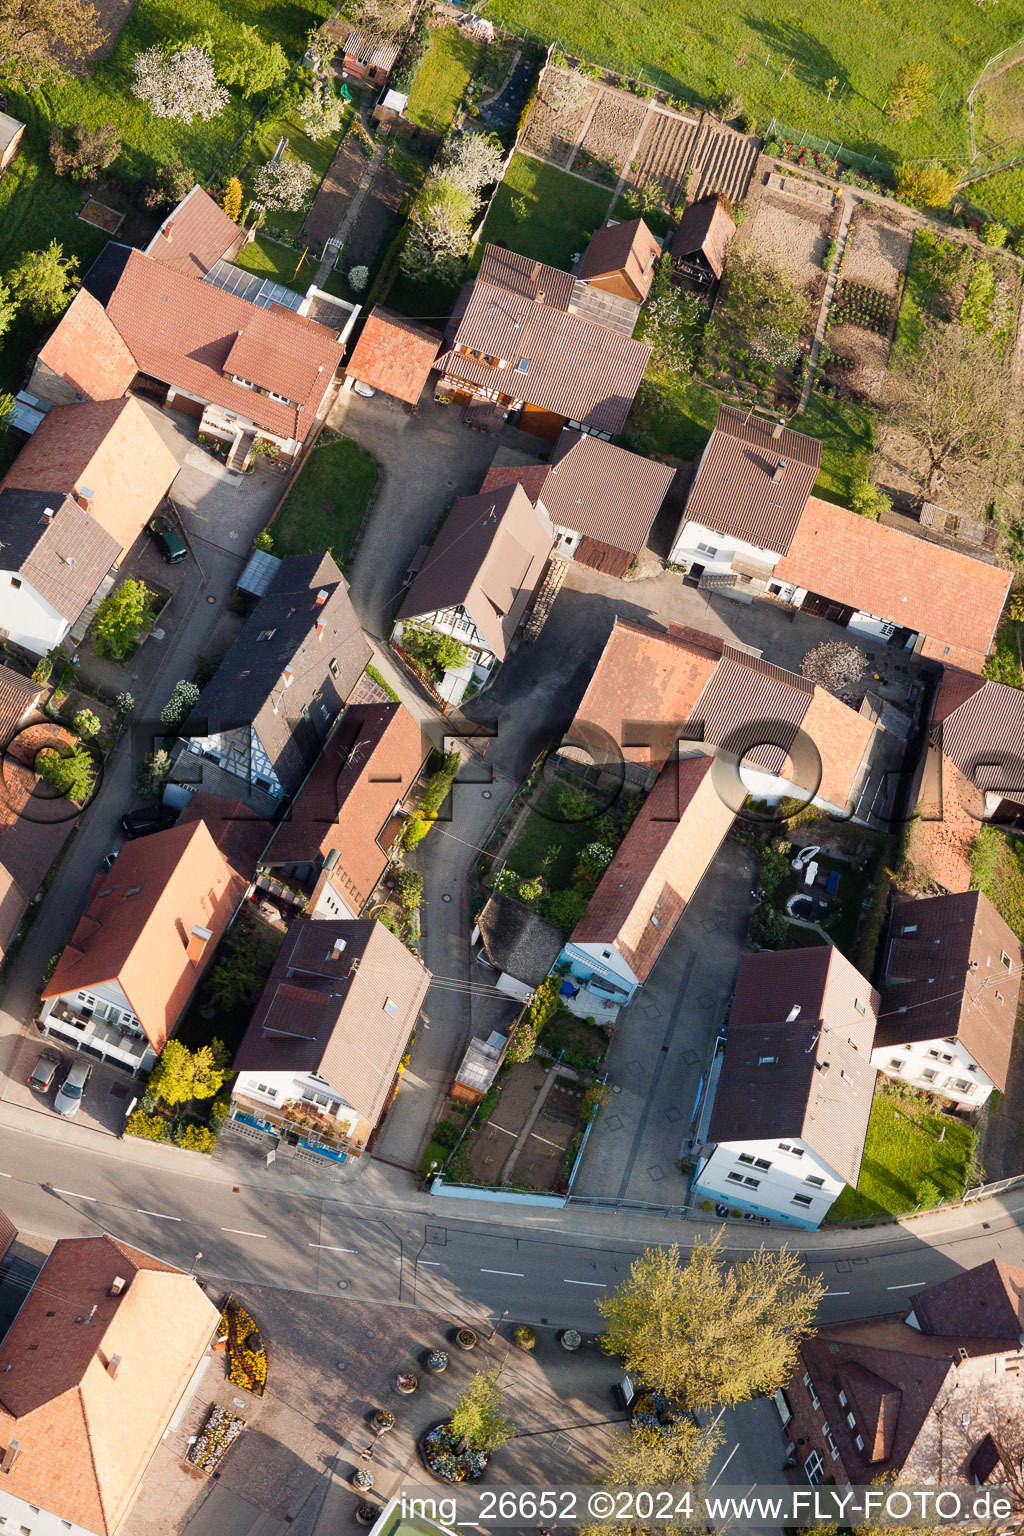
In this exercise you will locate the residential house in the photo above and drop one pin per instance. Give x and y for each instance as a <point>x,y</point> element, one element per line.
<point>149,931</point>
<point>329,854</point>
<point>790,1114</point>
<point>72,504</point>
<point>11,132</point>
<point>620,259</point>
<point>320,1060</point>
<point>793,738</point>
<point>264,716</point>
<point>520,341</point>
<point>516,942</point>
<point>646,888</point>
<point>394,354</point>
<point>701,242</point>
<point>922,1398</point>
<point>949,997</point>
<point>104,1357</point>
<point>34,826</point>
<point>478,579</point>
<point>187,329</point>
<point>973,773</point>
<point>601,500</point>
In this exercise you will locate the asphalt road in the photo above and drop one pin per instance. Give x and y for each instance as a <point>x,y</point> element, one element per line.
<point>406,1251</point>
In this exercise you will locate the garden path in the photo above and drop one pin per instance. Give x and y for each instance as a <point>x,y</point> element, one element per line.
<point>335,244</point>
<point>531,1121</point>
<point>850,201</point>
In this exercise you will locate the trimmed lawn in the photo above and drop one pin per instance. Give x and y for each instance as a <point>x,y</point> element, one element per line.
<point>903,1150</point>
<point>847,435</point>
<point>997,870</point>
<point>326,506</point>
<point>559,215</point>
<point>317,153</point>
<point>279,262</point>
<point>780,58</point>
<point>441,79</point>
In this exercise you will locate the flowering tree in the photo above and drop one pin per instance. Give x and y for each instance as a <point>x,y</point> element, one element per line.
<point>440,233</point>
<point>181,85</point>
<point>181,703</point>
<point>564,90</point>
<point>472,161</point>
<point>358,277</point>
<point>322,113</point>
<point>284,183</point>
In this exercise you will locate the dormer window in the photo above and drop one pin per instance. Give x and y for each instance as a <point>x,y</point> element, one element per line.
<point>245,383</point>
<point>266,634</point>
<point>281,399</point>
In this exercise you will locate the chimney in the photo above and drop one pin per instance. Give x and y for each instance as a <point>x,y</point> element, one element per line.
<point>167,229</point>
<point>540,298</point>
<point>287,677</point>
<point>198,940</point>
<point>822,1066</point>
<point>48,515</point>
<point>321,598</point>
<point>112,1365</point>
<point>10,1456</point>
<point>116,1285</point>
<point>779,471</point>
<point>84,497</point>
<point>336,949</point>
<point>320,627</point>
<point>777,430</point>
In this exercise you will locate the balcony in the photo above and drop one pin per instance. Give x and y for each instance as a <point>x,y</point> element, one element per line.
<point>115,1043</point>
<point>313,1126</point>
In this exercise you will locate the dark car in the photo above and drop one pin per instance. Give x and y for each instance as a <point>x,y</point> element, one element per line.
<point>167,539</point>
<point>141,823</point>
<point>44,1071</point>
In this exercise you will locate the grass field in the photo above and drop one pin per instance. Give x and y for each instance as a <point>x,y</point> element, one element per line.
<point>544,213</point>
<point>903,1150</point>
<point>997,869</point>
<point>279,262</point>
<point>706,49</point>
<point>327,504</point>
<point>1001,195</point>
<point>441,79</point>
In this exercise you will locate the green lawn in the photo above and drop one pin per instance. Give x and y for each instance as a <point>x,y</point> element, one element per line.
<point>997,869</point>
<point>847,434</point>
<point>1001,195</point>
<point>327,504</point>
<point>903,1150</point>
<point>279,262</point>
<point>556,213</point>
<point>441,79</point>
<point>707,49</point>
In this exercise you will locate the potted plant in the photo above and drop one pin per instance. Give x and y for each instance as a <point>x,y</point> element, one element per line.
<point>406,1382</point>
<point>465,1338</point>
<point>366,1514</point>
<point>383,1421</point>
<point>570,1339</point>
<point>437,1361</point>
<point>362,1477</point>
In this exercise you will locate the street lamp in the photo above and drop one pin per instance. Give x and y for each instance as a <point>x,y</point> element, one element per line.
<point>429,1175</point>
<point>195,1261</point>
<point>497,1325</point>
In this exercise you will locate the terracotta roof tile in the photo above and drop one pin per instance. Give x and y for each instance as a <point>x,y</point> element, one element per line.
<point>530,279</point>
<point>604,492</point>
<point>18,695</point>
<point>195,235</point>
<point>532,478</point>
<point>64,557</point>
<point>621,258</point>
<point>83,356</point>
<point>753,480</point>
<point>34,823</point>
<point>394,354</point>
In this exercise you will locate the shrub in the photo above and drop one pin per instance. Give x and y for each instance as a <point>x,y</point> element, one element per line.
<point>774,865</point>
<point>530,891</point>
<point>196,1138</point>
<point>181,703</point>
<point>994,236</point>
<point>149,1127</point>
<point>768,927</point>
<point>86,724</point>
<point>284,184</point>
<point>264,540</point>
<point>523,1336</point>
<point>432,654</point>
<point>69,770</point>
<point>928,1193</point>
<point>564,908</point>
<point>446,1133</point>
<point>415,831</point>
<point>232,198</point>
<point>868,501</point>
<point>410,889</point>
<point>152,774</point>
<point>522,1041</point>
<point>926,186</point>
<point>82,151</point>
<point>124,703</point>
<point>439,785</point>
<point>42,670</point>
<point>168,185</point>
<point>122,619</point>
<point>358,277</point>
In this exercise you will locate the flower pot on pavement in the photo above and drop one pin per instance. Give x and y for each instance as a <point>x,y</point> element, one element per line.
<point>362,1478</point>
<point>465,1338</point>
<point>366,1514</point>
<point>383,1421</point>
<point>570,1339</point>
<point>406,1382</point>
<point>437,1361</point>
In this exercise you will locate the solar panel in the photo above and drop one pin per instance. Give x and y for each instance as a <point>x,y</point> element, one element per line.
<point>261,291</point>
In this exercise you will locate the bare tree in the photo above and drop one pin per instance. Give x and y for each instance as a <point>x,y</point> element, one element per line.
<point>957,404</point>
<point>38,38</point>
<point>834,664</point>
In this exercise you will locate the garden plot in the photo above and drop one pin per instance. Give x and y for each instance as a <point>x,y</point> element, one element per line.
<point>877,248</point>
<point>664,153</point>
<point>554,131</point>
<point>856,363</point>
<point>794,233</point>
<point>612,132</point>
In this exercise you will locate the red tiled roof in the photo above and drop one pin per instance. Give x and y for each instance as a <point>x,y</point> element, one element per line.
<point>938,592</point>
<point>85,353</point>
<point>735,491</point>
<point>532,478</point>
<point>18,694</point>
<point>621,258</point>
<point>88,1428</point>
<point>183,331</point>
<point>34,822</point>
<point>394,354</point>
<point>531,279</point>
<point>604,492</point>
<point>658,865</point>
<point>195,235</point>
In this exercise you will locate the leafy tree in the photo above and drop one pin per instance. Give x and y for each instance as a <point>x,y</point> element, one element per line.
<point>322,113</point>
<point>868,501</point>
<point>925,186</point>
<point>42,670</point>
<point>86,724</point>
<point>768,927</point>
<point>284,183</point>
<point>246,59</point>
<point>180,84</point>
<point>729,105</point>
<point>672,321</point>
<point>69,770</point>
<point>231,199</point>
<point>908,92</point>
<point>181,1075</point>
<point>530,892</point>
<point>564,908</point>
<point>565,90</point>
<point>122,619</point>
<point>765,309</point>
<point>834,665</point>
<point>774,864</point>
<point>44,281</point>
<point>596,855</point>
<point>8,309</point>
<point>83,150</point>
<point>707,1332</point>
<point>928,1193</point>
<point>472,161</point>
<point>477,1422</point>
<point>432,653</point>
<point>8,405</point>
<point>181,703</point>
<point>955,403</point>
<point>169,184</point>
<point>39,38</point>
<point>994,235</point>
<point>232,980</point>
<point>152,774</point>
<point>658,1456</point>
<point>440,232</point>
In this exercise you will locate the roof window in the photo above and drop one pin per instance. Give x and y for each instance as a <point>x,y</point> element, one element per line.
<point>390,1007</point>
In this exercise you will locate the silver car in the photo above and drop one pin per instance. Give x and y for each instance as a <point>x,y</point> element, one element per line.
<point>72,1089</point>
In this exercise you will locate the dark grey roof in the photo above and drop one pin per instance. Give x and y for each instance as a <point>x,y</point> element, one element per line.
<point>285,676</point>
<point>105,273</point>
<point>64,557</point>
<point>517,941</point>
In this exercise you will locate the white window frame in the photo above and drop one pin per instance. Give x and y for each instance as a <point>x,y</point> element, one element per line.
<point>814,1468</point>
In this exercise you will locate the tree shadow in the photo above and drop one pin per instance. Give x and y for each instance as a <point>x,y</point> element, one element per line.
<point>813,62</point>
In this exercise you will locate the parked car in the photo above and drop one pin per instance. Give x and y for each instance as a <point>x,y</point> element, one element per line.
<point>72,1090</point>
<point>44,1071</point>
<point>366,390</point>
<point>153,819</point>
<point>167,539</point>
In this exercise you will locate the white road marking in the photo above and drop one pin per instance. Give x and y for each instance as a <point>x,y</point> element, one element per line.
<point>911,1286</point>
<point>6,1175</point>
<point>434,1263</point>
<point>515,1273</point>
<point>158,1214</point>
<point>237,1232</point>
<point>599,1285</point>
<point>837,1293</point>
<point>333,1250</point>
<point>73,1196</point>
<point>725,1463</point>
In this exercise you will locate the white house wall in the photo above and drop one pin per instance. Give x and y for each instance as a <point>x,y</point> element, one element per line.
<point>919,1057</point>
<point>719,549</point>
<point>107,992</point>
<point>782,1191</point>
<point>28,619</point>
<point>331,904</point>
<point>274,1089</point>
<point>20,1516</point>
<point>597,960</point>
